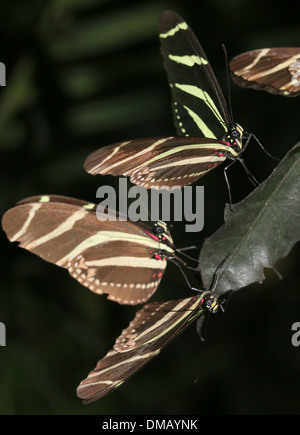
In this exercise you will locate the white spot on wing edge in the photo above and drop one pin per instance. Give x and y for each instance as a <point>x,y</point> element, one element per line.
<point>45,198</point>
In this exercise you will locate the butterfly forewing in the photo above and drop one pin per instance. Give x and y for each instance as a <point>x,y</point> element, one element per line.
<point>152,329</point>
<point>276,70</point>
<point>167,162</point>
<point>199,107</point>
<point>113,257</point>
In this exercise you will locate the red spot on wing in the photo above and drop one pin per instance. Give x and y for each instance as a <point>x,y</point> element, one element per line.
<point>153,236</point>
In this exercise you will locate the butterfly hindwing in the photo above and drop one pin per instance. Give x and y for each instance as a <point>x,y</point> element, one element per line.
<point>100,255</point>
<point>153,327</point>
<point>275,70</point>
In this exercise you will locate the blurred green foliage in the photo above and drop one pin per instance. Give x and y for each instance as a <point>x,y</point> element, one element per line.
<point>86,73</point>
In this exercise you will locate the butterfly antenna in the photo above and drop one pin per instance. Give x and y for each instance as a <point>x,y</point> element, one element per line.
<point>228,84</point>
<point>248,173</point>
<point>250,135</point>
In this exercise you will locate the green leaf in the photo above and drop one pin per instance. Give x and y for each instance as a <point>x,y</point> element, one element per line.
<point>262,229</point>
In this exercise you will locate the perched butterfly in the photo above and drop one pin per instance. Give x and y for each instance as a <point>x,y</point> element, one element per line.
<point>124,259</point>
<point>276,70</point>
<point>153,327</point>
<point>202,119</point>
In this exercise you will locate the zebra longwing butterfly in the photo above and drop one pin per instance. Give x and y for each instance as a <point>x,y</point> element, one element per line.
<point>275,70</point>
<point>153,327</point>
<point>124,259</point>
<point>202,119</point>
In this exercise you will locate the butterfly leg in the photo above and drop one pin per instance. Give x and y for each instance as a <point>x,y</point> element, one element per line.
<point>250,176</point>
<point>187,256</point>
<point>249,137</point>
<point>184,275</point>
<point>187,248</point>
<point>227,183</point>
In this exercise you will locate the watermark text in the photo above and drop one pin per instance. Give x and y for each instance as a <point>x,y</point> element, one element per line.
<point>174,204</point>
<point>2,334</point>
<point>296,336</point>
<point>2,74</point>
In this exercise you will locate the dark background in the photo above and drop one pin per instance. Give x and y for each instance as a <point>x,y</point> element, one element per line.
<point>91,74</point>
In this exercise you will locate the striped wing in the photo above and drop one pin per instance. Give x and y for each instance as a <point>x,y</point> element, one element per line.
<point>200,112</point>
<point>276,70</point>
<point>199,107</point>
<point>113,257</point>
<point>160,163</point>
<point>153,328</point>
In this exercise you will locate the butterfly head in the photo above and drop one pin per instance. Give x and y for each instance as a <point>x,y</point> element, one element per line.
<point>162,230</point>
<point>211,302</point>
<point>235,136</point>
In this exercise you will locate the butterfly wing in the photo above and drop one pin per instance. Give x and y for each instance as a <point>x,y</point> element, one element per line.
<point>112,257</point>
<point>160,163</point>
<point>275,70</point>
<point>199,107</point>
<point>153,327</point>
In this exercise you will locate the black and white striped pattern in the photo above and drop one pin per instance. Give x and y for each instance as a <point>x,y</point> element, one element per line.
<point>126,260</point>
<point>208,134</point>
<point>276,70</point>
<point>153,327</point>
